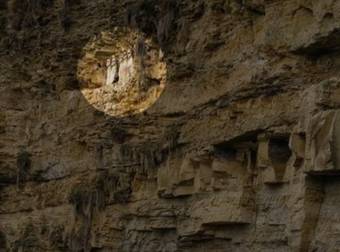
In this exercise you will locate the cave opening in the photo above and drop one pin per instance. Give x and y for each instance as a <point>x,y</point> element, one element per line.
<point>279,154</point>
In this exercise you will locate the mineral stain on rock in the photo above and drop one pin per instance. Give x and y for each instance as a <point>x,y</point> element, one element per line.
<point>171,126</point>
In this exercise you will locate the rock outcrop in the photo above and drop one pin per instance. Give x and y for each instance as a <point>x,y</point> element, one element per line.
<point>144,125</point>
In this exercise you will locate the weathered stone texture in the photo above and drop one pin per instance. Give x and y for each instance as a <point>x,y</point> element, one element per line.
<point>241,151</point>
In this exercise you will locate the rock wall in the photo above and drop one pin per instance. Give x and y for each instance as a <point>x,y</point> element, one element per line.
<point>239,153</point>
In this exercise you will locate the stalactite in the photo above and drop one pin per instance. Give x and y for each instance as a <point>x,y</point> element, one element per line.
<point>23,167</point>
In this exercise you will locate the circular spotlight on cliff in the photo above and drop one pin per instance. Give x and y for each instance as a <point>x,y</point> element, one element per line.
<point>121,72</point>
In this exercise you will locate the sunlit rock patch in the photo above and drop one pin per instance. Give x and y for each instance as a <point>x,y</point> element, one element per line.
<point>121,72</point>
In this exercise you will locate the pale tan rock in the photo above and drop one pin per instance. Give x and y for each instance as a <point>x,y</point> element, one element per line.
<point>222,208</point>
<point>323,142</point>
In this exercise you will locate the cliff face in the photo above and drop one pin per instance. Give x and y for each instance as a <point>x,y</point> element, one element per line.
<point>197,125</point>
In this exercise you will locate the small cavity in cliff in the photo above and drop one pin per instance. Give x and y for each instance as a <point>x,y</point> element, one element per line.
<point>121,72</point>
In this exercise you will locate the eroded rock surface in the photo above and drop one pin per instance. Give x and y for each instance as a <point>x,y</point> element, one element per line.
<point>198,125</point>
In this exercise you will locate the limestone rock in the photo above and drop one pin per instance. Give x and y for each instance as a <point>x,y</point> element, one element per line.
<point>323,143</point>
<point>169,126</point>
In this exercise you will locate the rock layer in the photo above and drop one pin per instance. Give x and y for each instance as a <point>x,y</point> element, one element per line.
<point>239,153</point>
